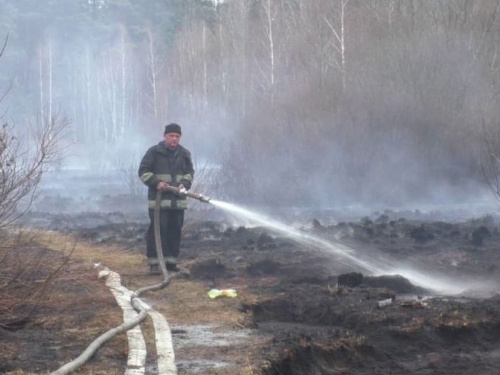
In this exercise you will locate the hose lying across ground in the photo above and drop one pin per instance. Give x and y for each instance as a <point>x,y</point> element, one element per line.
<point>137,350</point>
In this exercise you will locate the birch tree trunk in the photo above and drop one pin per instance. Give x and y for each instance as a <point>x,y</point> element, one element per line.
<point>89,113</point>
<point>153,73</point>
<point>269,20</point>
<point>40,70</point>
<point>342,42</point>
<point>205,69</point>
<point>49,115</point>
<point>123,96</point>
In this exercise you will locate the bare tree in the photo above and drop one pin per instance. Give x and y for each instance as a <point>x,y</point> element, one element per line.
<point>490,159</point>
<point>127,168</point>
<point>270,16</point>
<point>22,164</point>
<point>23,161</point>
<point>155,67</point>
<point>338,40</point>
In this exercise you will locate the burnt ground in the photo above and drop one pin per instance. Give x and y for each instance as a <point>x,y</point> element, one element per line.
<point>299,310</point>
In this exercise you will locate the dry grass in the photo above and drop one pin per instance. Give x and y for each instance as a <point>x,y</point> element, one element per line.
<point>78,307</point>
<point>67,307</point>
<point>108,255</point>
<point>26,272</point>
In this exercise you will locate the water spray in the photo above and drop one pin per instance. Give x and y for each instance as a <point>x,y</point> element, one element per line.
<point>345,254</point>
<point>376,265</point>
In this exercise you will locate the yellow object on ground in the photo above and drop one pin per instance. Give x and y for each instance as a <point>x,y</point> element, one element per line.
<point>214,293</point>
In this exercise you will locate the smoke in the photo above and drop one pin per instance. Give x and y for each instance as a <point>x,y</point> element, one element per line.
<point>392,123</point>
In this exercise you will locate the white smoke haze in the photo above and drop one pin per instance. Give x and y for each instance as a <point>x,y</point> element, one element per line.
<point>294,104</point>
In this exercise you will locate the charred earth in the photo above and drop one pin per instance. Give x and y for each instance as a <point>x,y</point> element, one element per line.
<point>300,309</point>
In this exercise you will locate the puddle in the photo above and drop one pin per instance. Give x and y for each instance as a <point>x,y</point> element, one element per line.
<point>204,336</point>
<point>208,336</point>
<point>199,366</point>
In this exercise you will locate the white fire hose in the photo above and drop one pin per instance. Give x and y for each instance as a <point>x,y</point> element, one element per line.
<point>142,308</point>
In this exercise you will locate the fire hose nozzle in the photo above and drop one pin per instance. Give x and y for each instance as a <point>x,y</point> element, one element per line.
<point>200,197</point>
<point>204,199</point>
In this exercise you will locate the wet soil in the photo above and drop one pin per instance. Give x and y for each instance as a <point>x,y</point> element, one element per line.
<point>299,310</point>
<point>325,318</point>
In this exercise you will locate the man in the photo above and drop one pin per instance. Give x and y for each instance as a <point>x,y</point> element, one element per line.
<point>167,163</point>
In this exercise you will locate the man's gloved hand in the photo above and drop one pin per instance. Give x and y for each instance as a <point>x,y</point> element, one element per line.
<point>182,189</point>
<point>162,186</point>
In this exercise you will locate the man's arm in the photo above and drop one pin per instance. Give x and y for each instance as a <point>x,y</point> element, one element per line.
<point>146,169</point>
<point>187,177</point>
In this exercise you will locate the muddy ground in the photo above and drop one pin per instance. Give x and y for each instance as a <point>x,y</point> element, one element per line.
<point>300,309</point>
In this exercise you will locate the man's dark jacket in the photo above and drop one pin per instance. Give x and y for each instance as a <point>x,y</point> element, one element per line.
<point>172,166</point>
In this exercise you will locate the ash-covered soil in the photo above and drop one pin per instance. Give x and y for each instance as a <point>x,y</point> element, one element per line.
<point>328,318</point>
<point>318,313</point>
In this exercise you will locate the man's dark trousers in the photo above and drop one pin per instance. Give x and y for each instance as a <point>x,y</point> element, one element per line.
<point>171,222</point>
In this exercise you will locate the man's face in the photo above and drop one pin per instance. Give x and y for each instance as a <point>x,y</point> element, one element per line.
<point>172,139</point>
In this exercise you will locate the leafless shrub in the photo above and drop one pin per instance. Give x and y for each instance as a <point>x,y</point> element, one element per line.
<point>24,273</point>
<point>207,179</point>
<point>24,160</point>
<point>490,159</point>
<point>127,169</point>
<point>22,164</point>
<point>206,182</point>
<point>27,270</point>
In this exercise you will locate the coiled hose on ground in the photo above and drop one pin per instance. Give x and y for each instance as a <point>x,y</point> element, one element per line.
<point>142,308</point>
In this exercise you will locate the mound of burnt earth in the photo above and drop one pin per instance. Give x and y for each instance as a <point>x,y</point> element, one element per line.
<point>211,269</point>
<point>458,247</point>
<point>325,318</point>
<point>319,331</point>
<point>129,235</point>
<point>396,283</point>
<point>76,222</point>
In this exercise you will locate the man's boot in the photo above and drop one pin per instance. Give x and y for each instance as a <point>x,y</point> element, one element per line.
<point>171,264</point>
<point>172,267</point>
<point>154,267</point>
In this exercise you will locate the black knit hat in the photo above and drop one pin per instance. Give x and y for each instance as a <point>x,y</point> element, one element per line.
<point>173,128</point>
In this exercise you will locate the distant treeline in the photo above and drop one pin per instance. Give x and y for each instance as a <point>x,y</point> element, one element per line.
<point>299,101</point>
